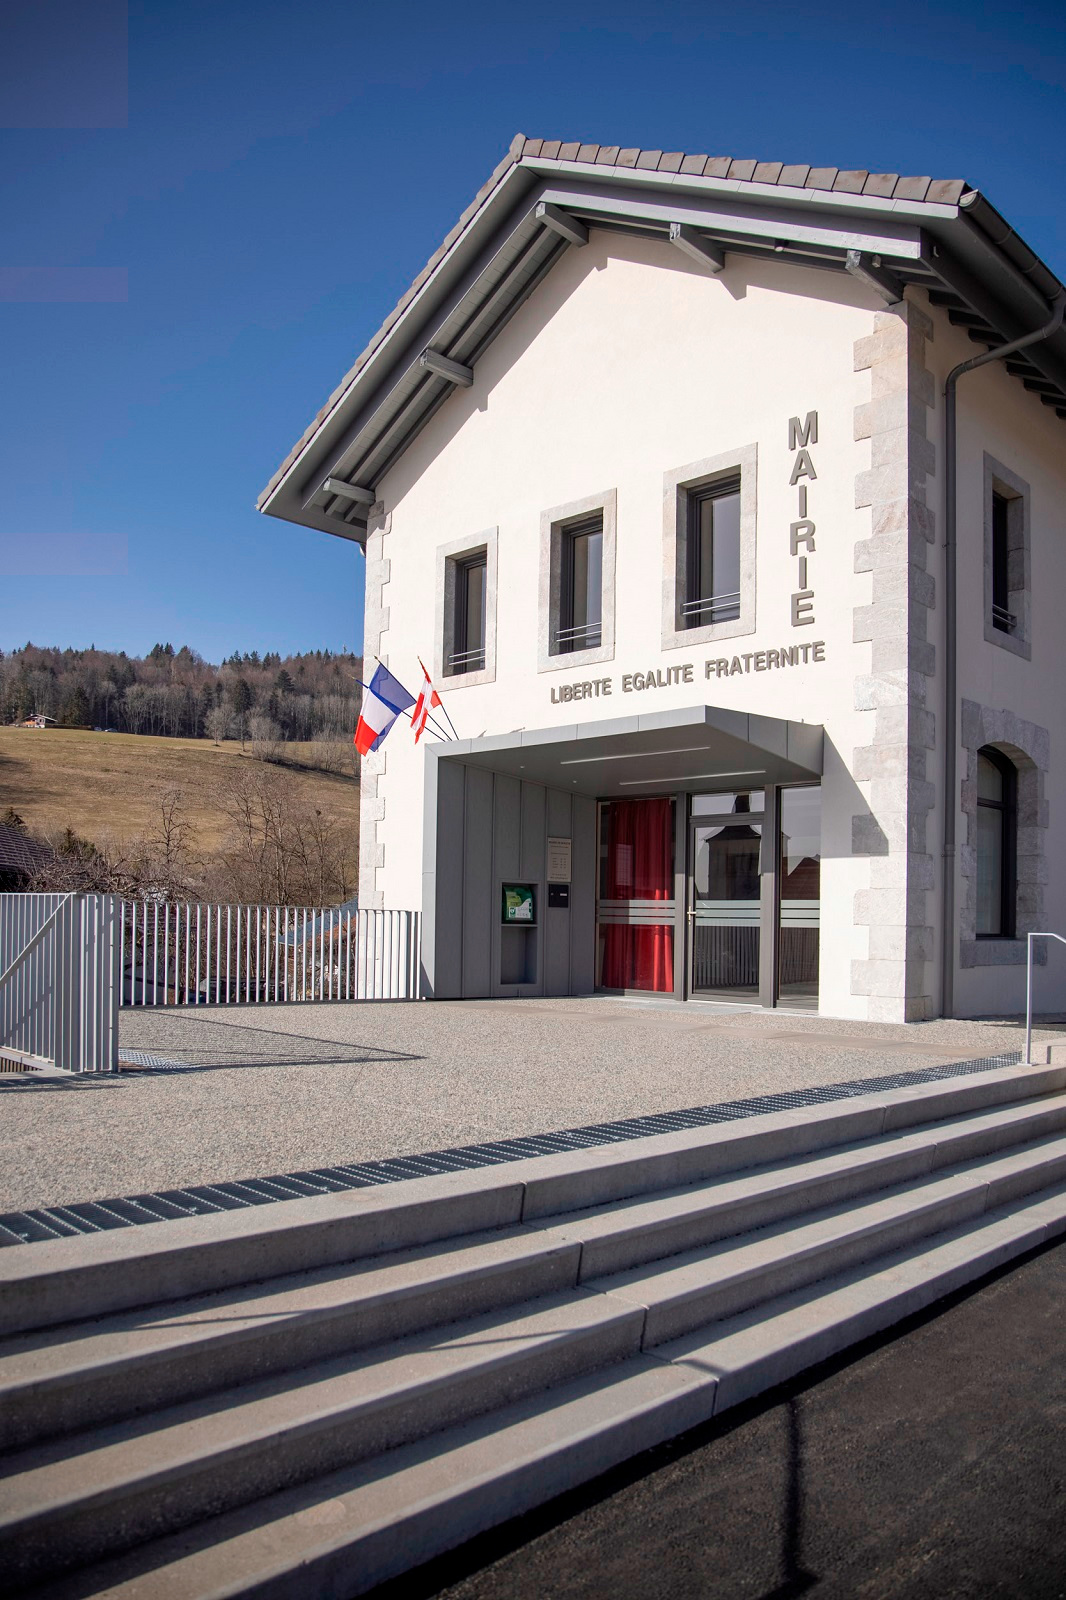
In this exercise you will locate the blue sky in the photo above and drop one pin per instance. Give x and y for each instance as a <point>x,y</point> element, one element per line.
<point>195,250</point>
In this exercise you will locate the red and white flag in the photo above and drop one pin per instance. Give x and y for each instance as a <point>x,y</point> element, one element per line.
<point>427,700</point>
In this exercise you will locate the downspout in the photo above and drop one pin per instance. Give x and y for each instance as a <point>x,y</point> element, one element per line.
<point>950,640</point>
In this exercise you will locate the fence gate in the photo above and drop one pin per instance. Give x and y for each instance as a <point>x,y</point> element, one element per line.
<point>60,967</point>
<point>197,955</point>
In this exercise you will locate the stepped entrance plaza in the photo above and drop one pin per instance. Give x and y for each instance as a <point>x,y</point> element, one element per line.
<point>223,1093</point>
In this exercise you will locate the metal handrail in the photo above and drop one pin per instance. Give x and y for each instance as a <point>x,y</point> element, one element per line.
<point>1029,989</point>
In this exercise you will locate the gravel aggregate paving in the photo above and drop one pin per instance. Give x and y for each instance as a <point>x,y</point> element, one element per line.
<point>256,1091</point>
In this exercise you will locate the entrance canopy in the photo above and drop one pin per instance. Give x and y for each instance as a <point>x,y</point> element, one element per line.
<point>684,751</point>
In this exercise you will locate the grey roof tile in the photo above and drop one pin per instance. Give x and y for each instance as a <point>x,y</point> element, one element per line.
<point>911,189</point>
<point>944,191</point>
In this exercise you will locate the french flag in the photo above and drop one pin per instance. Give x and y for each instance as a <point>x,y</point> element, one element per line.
<point>384,698</point>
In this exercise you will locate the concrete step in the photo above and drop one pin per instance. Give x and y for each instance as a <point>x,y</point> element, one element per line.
<point>628,1233</point>
<point>130,1483</point>
<point>63,1380</point>
<point>351,1530</point>
<point>688,1291</point>
<point>68,1379</point>
<point>73,1501</point>
<point>75,1279</point>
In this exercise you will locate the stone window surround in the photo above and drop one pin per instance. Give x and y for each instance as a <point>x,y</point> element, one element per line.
<point>1027,747</point>
<point>448,558</point>
<point>1003,481</point>
<point>676,486</point>
<point>553,525</point>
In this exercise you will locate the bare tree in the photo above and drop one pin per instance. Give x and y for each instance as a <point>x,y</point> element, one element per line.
<point>277,849</point>
<point>218,722</point>
<point>265,736</point>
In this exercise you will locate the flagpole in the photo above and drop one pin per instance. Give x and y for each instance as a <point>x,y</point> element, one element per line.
<point>443,707</point>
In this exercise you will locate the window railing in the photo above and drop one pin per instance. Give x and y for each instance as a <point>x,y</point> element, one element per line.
<point>586,636</point>
<point>467,661</point>
<point>1003,619</point>
<point>712,608</point>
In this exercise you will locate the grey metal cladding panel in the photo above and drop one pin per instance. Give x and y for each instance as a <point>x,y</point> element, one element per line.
<point>477,884</point>
<point>507,828</point>
<point>558,735</point>
<point>617,726</point>
<point>583,897</point>
<point>506,861</point>
<point>555,821</point>
<point>769,733</point>
<point>559,814</point>
<point>806,745</point>
<point>684,717</point>
<point>534,833</point>
<point>430,785</point>
<point>448,914</point>
<point>728,721</point>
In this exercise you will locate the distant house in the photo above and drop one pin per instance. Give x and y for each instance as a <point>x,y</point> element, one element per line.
<point>21,856</point>
<point>39,720</point>
<point>326,925</point>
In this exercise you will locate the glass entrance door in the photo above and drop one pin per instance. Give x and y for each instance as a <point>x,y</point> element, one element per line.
<point>724,898</point>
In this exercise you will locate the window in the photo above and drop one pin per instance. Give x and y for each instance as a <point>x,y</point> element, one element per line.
<point>712,590</point>
<point>1007,586</point>
<point>575,584</point>
<point>1002,617</point>
<point>708,575</point>
<point>468,633</point>
<point>996,827</point>
<point>581,590</point>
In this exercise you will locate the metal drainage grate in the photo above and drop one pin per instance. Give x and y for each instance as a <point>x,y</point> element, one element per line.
<point>146,1060</point>
<point>98,1216</point>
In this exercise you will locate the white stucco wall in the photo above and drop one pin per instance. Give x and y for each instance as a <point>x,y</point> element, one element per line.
<point>626,364</point>
<point>997,416</point>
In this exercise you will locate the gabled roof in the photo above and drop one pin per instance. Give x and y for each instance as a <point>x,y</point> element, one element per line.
<point>891,231</point>
<point>20,854</point>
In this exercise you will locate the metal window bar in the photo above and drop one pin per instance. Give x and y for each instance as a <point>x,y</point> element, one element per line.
<point>467,661</point>
<point>1005,619</point>
<point>587,636</point>
<point>713,604</point>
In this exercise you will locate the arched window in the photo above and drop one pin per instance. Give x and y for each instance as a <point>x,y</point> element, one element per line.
<point>996,830</point>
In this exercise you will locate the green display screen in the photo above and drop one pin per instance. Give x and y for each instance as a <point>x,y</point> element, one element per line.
<point>518,904</point>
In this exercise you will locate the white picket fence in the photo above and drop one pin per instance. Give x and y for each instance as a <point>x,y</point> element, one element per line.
<point>197,955</point>
<point>59,981</point>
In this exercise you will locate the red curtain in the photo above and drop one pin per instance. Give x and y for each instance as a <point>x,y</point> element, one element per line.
<point>640,866</point>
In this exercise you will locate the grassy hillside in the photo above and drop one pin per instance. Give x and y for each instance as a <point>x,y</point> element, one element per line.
<point>108,784</point>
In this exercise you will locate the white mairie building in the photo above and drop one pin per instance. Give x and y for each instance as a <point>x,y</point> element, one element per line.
<point>747,605</point>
